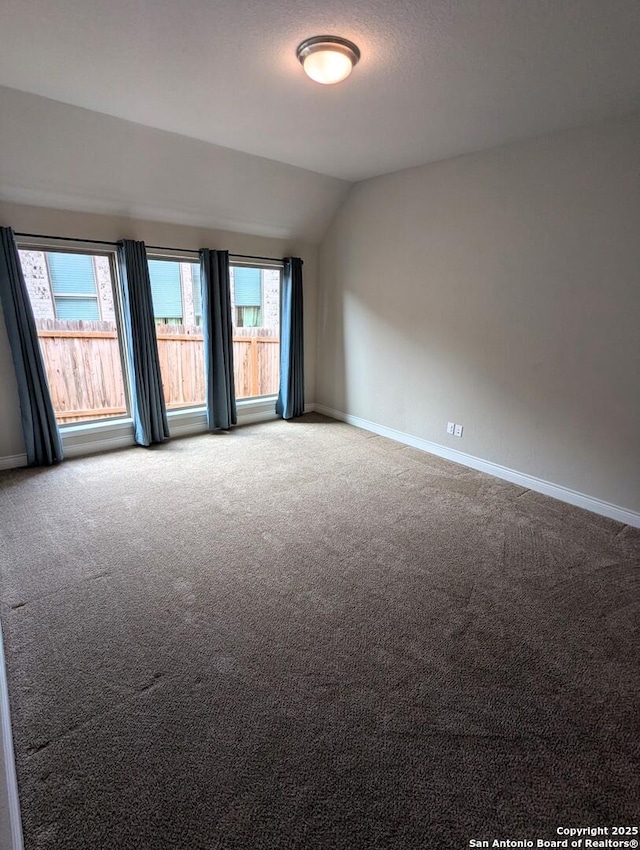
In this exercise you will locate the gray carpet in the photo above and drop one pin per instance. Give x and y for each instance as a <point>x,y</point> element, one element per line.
<point>299,635</point>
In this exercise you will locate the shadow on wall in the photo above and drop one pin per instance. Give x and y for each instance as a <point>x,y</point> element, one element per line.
<point>498,290</point>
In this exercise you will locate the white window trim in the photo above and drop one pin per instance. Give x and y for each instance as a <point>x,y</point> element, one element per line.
<point>255,264</point>
<point>177,256</point>
<point>69,246</point>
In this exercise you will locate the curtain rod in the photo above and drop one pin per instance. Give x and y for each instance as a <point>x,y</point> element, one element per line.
<point>68,239</point>
<point>151,247</point>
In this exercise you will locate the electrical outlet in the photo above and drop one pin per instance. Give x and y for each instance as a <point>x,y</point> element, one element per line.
<point>457,431</point>
<point>451,427</point>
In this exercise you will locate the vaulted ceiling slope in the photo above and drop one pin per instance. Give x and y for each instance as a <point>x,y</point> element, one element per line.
<point>61,156</point>
<point>437,77</point>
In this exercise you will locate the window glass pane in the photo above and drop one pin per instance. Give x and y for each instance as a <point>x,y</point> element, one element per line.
<point>166,290</point>
<point>78,334</point>
<point>77,308</point>
<point>71,274</point>
<point>248,287</point>
<point>248,317</point>
<point>255,307</point>
<point>175,287</point>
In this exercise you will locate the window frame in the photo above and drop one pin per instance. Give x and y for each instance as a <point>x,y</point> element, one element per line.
<point>94,249</point>
<point>192,258</point>
<point>236,261</point>
<point>186,256</point>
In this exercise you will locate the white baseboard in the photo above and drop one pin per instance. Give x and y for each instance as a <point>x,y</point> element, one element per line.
<point>120,435</point>
<point>548,488</point>
<point>13,461</point>
<point>11,828</point>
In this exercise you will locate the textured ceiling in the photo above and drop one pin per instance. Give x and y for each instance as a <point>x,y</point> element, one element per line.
<point>436,78</point>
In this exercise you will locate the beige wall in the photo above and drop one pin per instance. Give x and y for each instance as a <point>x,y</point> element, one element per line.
<point>111,228</point>
<point>500,290</point>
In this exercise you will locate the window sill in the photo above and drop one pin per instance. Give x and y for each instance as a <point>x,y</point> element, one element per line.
<point>105,435</point>
<point>194,419</point>
<point>98,436</point>
<point>94,427</point>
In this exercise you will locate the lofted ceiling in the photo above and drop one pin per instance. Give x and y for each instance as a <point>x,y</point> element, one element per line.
<point>437,78</point>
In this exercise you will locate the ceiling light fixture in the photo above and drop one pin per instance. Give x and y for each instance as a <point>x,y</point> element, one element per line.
<point>328,59</point>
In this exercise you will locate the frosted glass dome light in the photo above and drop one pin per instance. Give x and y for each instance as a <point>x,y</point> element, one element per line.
<point>328,59</point>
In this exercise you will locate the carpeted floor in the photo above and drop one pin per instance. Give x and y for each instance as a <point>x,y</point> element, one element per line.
<point>299,635</point>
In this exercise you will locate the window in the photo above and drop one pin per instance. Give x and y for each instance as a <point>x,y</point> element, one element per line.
<point>166,290</point>
<point>77,320</point>
<point>248,297</point>
<point>73,282</point>
<point>255,307</point>
<point>177,307</point>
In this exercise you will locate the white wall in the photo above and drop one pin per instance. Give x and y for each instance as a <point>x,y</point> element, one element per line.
<point>52,222</point>
<point>500,290</point>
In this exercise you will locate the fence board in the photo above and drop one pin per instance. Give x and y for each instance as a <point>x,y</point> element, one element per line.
<point>82,361</point>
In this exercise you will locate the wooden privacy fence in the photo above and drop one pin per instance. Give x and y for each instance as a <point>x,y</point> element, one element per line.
<point>256,361</point>
<point>84,368</point>
<point>82,361</point>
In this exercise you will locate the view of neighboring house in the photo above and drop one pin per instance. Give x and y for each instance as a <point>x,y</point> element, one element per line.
<point>70,286</point>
